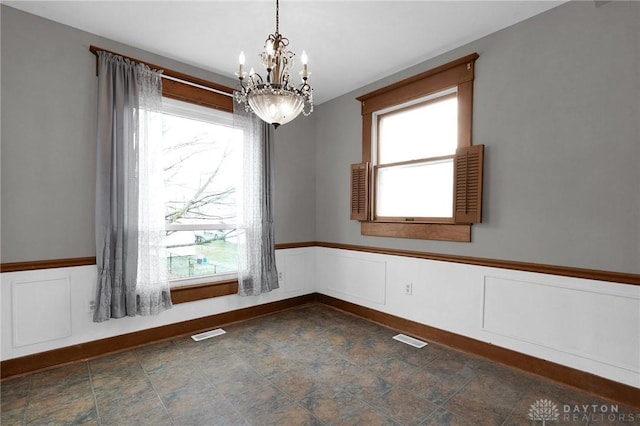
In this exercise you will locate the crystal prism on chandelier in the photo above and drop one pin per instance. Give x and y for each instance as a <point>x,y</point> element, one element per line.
<point>274,99</point>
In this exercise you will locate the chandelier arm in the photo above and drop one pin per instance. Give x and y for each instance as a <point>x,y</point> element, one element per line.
<point>259,78</point>
<point>304,87</point>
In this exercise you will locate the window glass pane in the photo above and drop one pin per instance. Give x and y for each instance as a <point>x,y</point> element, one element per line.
<point>202,163</point>
<point>425,130</point>
<point>416,190</point>
<point>201,167</point>
<point>199,253</point>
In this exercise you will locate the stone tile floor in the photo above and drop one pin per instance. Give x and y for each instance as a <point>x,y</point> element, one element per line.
<point>308,366</point>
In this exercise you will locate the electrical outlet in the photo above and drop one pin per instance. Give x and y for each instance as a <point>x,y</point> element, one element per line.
<point>280,277</point>
<point>92,306</point>
<point>408,288</point>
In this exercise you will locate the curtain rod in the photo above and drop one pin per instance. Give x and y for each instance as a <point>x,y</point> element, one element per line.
<point>171,75</point>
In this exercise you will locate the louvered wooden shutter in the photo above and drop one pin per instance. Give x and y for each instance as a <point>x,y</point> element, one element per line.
<point>468,184</point>
<point>360,191</point>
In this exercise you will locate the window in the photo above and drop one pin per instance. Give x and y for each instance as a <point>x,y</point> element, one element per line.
<point>416,143</point>
<point>202,165</point>
<point>196,92</point>
<point>420,175</point>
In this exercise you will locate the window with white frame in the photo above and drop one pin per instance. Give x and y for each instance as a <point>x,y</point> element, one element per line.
<point>415,146</point>
<point>202,154</point>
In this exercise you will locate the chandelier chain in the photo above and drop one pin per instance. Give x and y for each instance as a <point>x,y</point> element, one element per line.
<point>277,17</point>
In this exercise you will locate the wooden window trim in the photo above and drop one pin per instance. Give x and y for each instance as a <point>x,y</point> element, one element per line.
<point>191,293</point>
<point>448,75</point>
<point>418,231</point>
<point>458,73</point>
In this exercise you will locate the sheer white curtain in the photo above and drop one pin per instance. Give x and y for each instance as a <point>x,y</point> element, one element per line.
<point>257,271</point>
<point>152,287</point>
<point>132,274</point>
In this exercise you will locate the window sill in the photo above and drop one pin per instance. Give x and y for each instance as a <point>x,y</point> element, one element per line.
<point>191,293</point>
<point>420,231</point>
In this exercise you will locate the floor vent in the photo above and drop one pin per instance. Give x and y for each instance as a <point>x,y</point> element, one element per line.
<point>410,341</point>
<point>208,334</point>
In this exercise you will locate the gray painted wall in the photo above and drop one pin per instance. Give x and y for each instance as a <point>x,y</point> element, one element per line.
<point>556,102</point>
<point>49,90</point>
<point>295,181</point>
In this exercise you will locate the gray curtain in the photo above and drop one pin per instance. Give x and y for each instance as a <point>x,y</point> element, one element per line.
<point>257,271</point>
<point>123,86</point>
<point>268,252</point>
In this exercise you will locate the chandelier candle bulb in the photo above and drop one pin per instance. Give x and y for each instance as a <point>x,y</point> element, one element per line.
<point>305,70</point>
<point>240,73</point>
<point>269,50</point>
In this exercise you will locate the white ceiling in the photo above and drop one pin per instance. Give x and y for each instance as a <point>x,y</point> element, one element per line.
<point>349,43</point>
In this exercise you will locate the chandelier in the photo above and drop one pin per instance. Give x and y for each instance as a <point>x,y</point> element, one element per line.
<point>275,99</point>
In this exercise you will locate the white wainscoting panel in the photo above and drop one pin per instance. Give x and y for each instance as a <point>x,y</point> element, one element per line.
<point>353,276</point>
<point>296,271</point>
<point>41,311</point>
<point>68,320</point>
<point>588,325</point>
<point>583,322</point>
